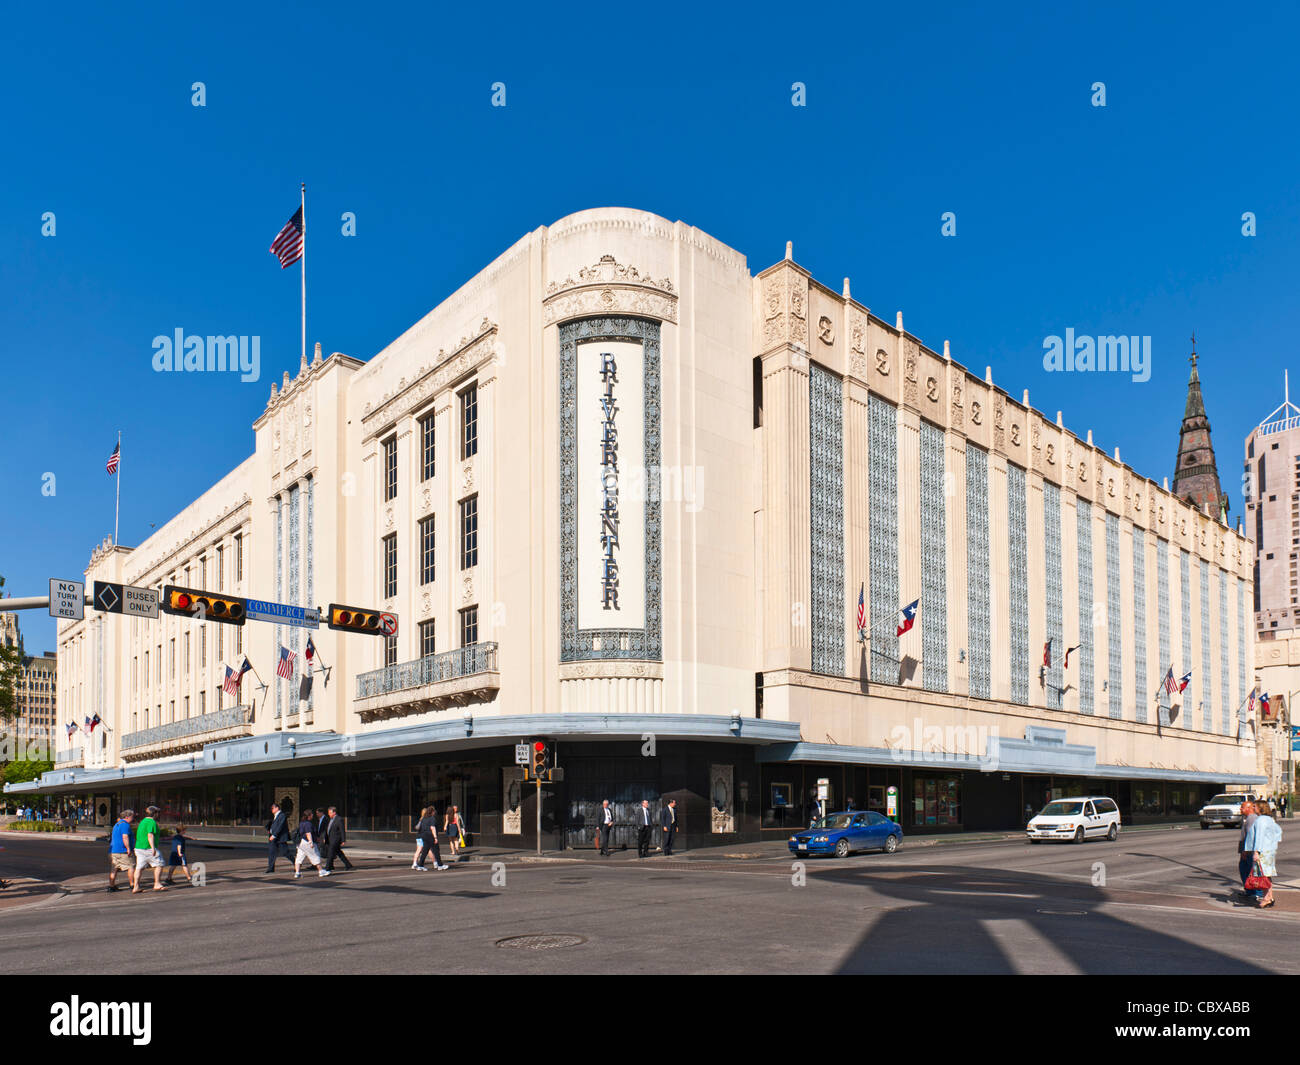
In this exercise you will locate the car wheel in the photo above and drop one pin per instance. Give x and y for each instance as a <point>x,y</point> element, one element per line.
<point>891,843</point>
<point>1078,834</point>
<point>1035,842</point>
<point>1204,825</point>
<point>842,849</point>
<point>1113,834</point>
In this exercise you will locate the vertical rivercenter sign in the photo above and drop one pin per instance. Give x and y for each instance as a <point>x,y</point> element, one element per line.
<point>610,507</point>
<point>611,484</point>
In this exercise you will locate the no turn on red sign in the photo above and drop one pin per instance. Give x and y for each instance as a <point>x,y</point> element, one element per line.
<point>67,599</point>
<point>388,623</point>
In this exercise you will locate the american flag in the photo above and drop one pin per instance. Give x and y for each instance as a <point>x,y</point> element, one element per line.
<point>114,458</point>
<point>1171,685</point>
<point>231,687</point>
<point>72,728</point>
<point>287,246</point>
<point>285,666</point>
<point>1047,654</point>
<point>862,607</point>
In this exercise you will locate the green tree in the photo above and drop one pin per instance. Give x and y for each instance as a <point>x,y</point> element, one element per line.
<point>11,660</point>
<point>21,772</point>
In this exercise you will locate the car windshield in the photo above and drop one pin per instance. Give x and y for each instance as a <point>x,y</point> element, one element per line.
<point>1061,809</point>
<point>833,821</point>
<point>1226,800</point>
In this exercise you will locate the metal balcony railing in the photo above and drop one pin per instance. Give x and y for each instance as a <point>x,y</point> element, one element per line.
<point>448,665</point>
<point>230,717</point>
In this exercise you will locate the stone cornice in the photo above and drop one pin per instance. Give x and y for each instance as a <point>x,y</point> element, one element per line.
<point>469,353</point>
<point>609,288</point>
<point>231,518</point>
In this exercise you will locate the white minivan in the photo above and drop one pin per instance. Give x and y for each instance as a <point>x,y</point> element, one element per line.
<point>1087,817</point>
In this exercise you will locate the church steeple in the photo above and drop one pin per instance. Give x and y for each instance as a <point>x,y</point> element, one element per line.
<point>1196,475</point>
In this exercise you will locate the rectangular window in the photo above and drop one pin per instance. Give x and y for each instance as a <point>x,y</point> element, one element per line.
<point>427,645</point>
<point>977,570</point>
<point>469,626</point>
<point>171,659</point>
<point>239,557</point>
<point>187,653</point>
<point>1018,571</point>
<point>220,641</point>
<point>427,447</point>
<point>469,532</point>
<point>390,650</point>
<point>469,422</point>
<point>171,711</point>
<point>390,468</point>
<point>390,565</point>
<point>427,561</point>
<point>203,573</point>
<point>239,641</point>
<point>203,647</point>
<point>221,568</point>
<point>187,707</point>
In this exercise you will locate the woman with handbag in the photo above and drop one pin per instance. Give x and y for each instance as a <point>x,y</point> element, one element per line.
<point>428,834</point>
<point>454,828</point>
<point>1268,834</point>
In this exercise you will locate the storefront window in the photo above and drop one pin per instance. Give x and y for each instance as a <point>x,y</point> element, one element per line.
<point>1147,799</point>
<point>936,801</point>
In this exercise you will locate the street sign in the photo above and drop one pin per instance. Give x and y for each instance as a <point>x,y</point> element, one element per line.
<point>115,598</point>
<point>67,599</point>
<point>388,622</point>
<point>521,754</point>
<point>303,617</point>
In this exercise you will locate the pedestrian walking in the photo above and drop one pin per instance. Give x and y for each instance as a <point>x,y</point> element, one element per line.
<point>668,822</point>
<point>643,830</point>
<point>277,836</point>
<point>308,850</point>
<point>146,851</point>
<point>606,826</point>
<point>454,829</point>
<point>427,830</point>
<point>336,837</point>
<point>120,851</point>
<point>1245,859</point>
<point>177,859</point>
<point>1267,834</point>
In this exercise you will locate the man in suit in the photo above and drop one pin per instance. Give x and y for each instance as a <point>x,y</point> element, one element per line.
<point>277,836</point>
<point>668,822</point>
<point>321,831</point>
<point>643,829</point>
<point>606,827</point>
<point>336,837</point>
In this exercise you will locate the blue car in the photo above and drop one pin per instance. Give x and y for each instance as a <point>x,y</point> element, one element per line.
<point>843,833</point>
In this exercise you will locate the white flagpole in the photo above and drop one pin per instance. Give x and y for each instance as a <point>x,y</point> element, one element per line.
<point>117,509</point>
<point>303,260</point>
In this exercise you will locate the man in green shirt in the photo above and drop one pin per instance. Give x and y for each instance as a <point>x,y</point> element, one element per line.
<point>146,851</point>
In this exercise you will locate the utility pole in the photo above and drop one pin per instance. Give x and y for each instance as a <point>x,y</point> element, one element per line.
<point>539,815</point>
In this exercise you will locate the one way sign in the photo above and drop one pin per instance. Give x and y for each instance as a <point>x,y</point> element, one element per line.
<point>115,598</point>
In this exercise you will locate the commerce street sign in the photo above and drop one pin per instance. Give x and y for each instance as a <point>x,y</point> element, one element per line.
<point>304,617</point>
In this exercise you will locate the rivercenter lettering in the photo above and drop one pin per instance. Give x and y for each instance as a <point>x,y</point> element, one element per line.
<point>609,482</point>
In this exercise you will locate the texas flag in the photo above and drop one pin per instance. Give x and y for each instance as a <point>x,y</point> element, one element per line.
<point>310,653</point>
<point>1263,704</point>
<point>1187,679</point>
<point>907,617</point>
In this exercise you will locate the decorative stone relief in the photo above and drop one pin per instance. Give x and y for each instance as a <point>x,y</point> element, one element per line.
<point>976,412</point>
<point>882,362</point>
<point>825,330</point>
<point>1015,434</point>
<point>858,345</point>
<point>932,389</point>
<point>426,603</point>
<point>467,590</point>
<point>999,432</point>
<point>609,288</point>
<point>467,476</point>
<point>958,415</point>
<point>388,518</point>
<point>426,499</point>
<point>909,372</point>
<point>1051,454</point>
<point>722,814</point>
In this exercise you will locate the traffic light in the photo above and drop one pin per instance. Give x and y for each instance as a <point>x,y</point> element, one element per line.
<point>541,759</point>
<point>202,606</point>
<point>359,619</point>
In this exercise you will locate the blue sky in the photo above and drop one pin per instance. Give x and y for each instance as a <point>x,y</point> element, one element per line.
<point>1124,219</point>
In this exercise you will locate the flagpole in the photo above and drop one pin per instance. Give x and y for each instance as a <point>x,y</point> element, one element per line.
<point>303,260</point>
<point>117,508</point>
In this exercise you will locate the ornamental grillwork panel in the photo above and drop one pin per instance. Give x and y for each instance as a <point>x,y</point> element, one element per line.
<point>882,482</point>
<point>279,580</point>
<point>1114,619</point>
<point>1019,569</point>
<point>1241,641</point>
<point>1140,624</point>
<point>1055,609</point>
<point>1206,671</point>
<point>1087,661</point>
<point>311,568</point>
<point>1225,676</point>
<point>295,572</point>
<point>1162,621</point>
<point>578,645</point>
<point>934,552</point>
<point>977,571</point>
<point>1186,719</point>
<point>826,513</point>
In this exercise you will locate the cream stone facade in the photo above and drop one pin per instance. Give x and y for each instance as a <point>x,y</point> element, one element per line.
<point>623,494</point>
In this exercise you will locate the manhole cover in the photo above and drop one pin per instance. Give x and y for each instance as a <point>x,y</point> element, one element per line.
<point>542,942</point>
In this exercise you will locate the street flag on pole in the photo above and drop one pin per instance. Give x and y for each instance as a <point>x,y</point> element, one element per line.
<point>1182,684</point>
<point>907,617</point>
<point>284,668</point>
<point>1047,654</point>
<point>304,688</point>
<point>1068,652</point>
<point>310,652</point>
<point>287,246</point>
<point>862,608</point>
<point>1171,685</point>
<point>233,679</point>
<point>114,458</point>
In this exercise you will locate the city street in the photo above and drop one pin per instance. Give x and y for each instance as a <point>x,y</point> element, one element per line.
<point>987,907</point>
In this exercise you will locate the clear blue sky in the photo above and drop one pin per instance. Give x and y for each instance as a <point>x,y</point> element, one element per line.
<point>1124,219</point>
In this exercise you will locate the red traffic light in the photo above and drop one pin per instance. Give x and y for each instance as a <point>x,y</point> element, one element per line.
<point>539,746</point>
<point>182,601</point>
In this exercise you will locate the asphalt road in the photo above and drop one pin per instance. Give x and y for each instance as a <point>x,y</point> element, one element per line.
<point>1003,907</point>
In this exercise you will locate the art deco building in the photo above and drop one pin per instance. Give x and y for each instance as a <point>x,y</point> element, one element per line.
<point>34,729</point>
<point>623,494</point>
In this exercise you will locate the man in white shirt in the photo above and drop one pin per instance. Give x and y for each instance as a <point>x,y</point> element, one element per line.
<point>643,829</point>
<point>606,827</point>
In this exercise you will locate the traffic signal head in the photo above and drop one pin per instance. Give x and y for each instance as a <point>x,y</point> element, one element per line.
<point>202,606</point>
<point>357,619</point>
<point>540,755</point>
